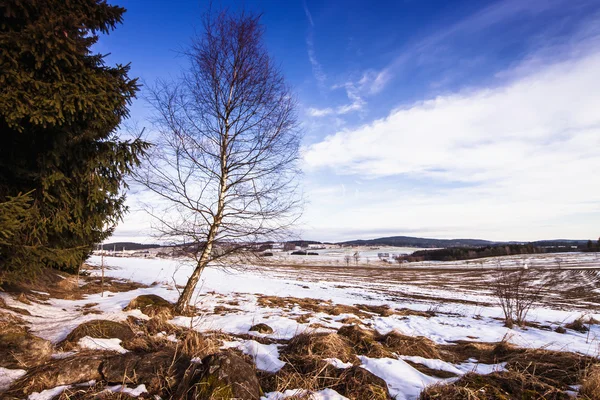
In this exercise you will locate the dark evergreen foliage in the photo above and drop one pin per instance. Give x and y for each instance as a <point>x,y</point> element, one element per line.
<point>60,105</point>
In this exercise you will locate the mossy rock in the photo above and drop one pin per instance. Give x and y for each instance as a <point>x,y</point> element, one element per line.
<point>261,328</point>
<point>21,349</point>
<point>98,328</point>
<point>225,376</point>
<point>151,305</point>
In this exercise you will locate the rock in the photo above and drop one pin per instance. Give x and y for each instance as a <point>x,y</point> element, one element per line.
<point>151,305</point>
<point>66,371</point>
<point>21,349</point>
<point>224,376</point>
<point>98,328</point>
<point>261,328</point>
<point>158,371</point>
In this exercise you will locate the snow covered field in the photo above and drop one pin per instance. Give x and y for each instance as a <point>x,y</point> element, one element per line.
<point>448,305</point>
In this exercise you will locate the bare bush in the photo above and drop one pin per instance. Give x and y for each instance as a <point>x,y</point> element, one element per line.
<point>518,290</point>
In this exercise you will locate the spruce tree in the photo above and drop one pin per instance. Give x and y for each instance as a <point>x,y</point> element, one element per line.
<point>62,163</point>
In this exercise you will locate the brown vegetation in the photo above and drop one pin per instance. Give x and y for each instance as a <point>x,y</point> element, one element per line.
<point>151,305</point>
<point>100,329</point>
<point>495,386</point>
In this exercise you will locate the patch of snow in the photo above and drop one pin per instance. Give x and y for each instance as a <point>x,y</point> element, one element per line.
<point>134,392</point>
<point>266,356</point>
<point>337,363</point>
<point>170,338</point>
<point>433,364</point>
<point>8,376</point>
<point>458,369</point>
<point>404,382</point>
<point>48,394</point>
<point>90,343</point>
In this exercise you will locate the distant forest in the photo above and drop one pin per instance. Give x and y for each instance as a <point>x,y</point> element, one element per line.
<point>466,253</point>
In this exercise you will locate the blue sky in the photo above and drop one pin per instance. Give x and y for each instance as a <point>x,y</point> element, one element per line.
<point>422,118</point>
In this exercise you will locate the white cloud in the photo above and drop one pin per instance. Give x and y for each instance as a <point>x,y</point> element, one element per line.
<point>320,112</point>
<point>356,103</point>
<point>526,155</point>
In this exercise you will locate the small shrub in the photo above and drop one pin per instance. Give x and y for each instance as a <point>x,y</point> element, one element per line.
<point>577,325</point>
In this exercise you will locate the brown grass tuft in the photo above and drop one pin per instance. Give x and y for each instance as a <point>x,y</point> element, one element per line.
<point>194,344</point>
<point>590,385</point>
<point>363,342</point>
<point>411,346</point>
<point>497,385</point>
<point>321,346</point>
<point>151,305</point>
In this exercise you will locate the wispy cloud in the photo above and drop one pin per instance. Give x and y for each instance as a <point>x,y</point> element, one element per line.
<point>308,14</point>
<point>310,47</point>
<point>526,148</point>
<point>426,50</point>
<point>356,103</point>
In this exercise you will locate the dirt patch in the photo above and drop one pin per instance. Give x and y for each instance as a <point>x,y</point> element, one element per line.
<point>495,386</point>
<point>60,285</point>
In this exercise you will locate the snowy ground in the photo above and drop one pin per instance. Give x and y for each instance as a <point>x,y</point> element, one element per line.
<point>463,306</point>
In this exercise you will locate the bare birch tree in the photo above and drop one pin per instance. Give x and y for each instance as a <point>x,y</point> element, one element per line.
<point>224,167</point>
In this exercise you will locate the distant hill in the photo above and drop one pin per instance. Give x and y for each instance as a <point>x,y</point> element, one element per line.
<point>409,241</point>
<point>128,246</point>
<point>396,241</point>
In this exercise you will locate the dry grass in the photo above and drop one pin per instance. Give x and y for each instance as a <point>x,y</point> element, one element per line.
<point>98,328</point>
<point>363,342</point>
<point>194,344</point>
<point>410,346</point>
<point>556,368</point>
<point>578,325</point>
<point>328,307</point>
<point>590,384</point>
<point>152,305</point>
<point>60,285</point>
<point>320,346</point>
<point>495,386</point>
